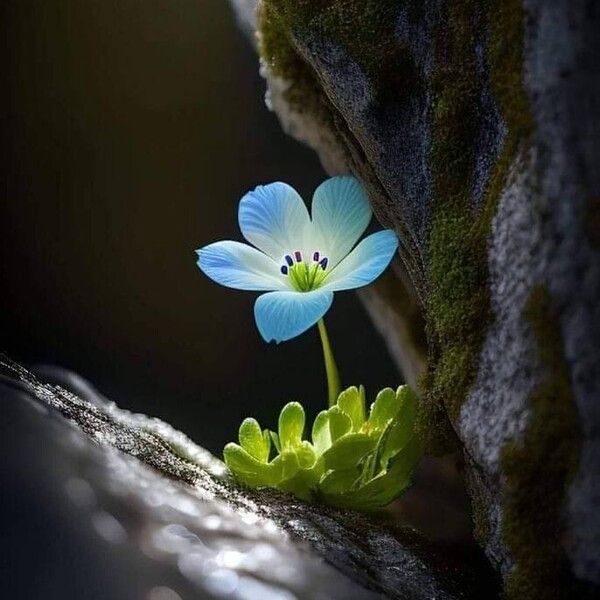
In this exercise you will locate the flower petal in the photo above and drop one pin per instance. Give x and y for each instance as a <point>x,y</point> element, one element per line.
<point>281,316</point>
<point>365,263</point>
<point>240,266</point>
<point>340,214</point>
<point>274,218</point>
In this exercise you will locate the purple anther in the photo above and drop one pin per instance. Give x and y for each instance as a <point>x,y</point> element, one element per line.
<point>316,257</point>
<point>289,260</point>
<point>298,256</point>
<point>323,263</point>
<point>284,269</point>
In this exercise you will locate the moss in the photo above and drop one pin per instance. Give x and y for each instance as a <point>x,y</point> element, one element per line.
<point>277,50</point>
<point>458,307</point>
<point>457,303</point>
<point>538,471</point>
<point>337,20</point>
<point>373,45</point>
<point>479,511</point>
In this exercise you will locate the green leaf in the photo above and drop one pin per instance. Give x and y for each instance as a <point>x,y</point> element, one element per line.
<point>252,440</point>
<point>267,442</point>
<point>379,492</point>
<point>339,423</point>
<point>302,484</point>
<point>384,408</point>
<point>285,466</point>
<point>385,487</point>
<point>275,439</point>
<point>374,463</point>
<point>348,451</point>
<point>306,455</point>
<point>402,427</point>
<point>408,400</point>
<point>321,437</point>
<point>388,486</point>
<point>338,482</point>
<point>352,403</point>
<point>350,463</point>
<point>407,459</point>
<point>246,468</point>
<point>291,425</point>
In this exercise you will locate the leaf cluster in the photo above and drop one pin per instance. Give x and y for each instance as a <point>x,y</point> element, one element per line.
<point>353,460</point>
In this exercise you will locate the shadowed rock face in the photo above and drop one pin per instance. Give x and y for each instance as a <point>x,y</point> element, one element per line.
<point>474,127</point>
<point>170,522</point>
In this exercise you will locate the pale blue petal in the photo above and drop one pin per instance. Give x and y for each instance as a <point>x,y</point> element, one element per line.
<point>340,214</point>
<point>240,266</point>
<point>274,218</point>
<point>281,316</point>
<point>365,263</point>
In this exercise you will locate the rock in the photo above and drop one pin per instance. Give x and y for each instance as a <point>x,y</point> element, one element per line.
<point>473,125</point>
<point>172,525</point>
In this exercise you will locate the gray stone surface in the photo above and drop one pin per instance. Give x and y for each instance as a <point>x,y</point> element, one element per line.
<point>496,410</point>
<point>155,516</point>
<point>563,79</point>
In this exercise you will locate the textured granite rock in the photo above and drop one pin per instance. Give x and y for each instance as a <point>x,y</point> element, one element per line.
<point>475,128</point>
<point>173,526</point>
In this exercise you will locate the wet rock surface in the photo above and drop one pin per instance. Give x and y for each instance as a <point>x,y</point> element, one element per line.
<point>137,510</point>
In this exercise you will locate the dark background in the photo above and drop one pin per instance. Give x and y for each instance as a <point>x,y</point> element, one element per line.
<point>134,127</point>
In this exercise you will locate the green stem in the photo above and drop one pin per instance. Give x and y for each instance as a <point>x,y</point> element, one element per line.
<point>333,377</point>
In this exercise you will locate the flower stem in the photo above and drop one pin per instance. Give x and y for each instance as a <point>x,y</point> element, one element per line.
<point>333,377</point>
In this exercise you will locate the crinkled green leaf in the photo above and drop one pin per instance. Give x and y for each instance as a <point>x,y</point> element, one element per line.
<point>384,408</point>
<point>267,442</point>
<point>337,482</point>
<point>385,487</point>
<point>348,451</point>
<point>321,437</point>
<point>399,433</point>
<point>408,400</point>
<point>306,455</point>
<point>374,463</point>
<point>275,439</point>
<point>291,425</point>
<point>248,469</point>
<point>352,403</point>
<point>252,440</point>
<point>339,423</point>
<point>407,459</point>
<point>285,465</point>
<point>302,484</point>
<point>377,493</point>
<point>350,462</point>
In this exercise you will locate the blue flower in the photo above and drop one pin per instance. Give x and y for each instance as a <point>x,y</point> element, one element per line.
<point>300,262</point>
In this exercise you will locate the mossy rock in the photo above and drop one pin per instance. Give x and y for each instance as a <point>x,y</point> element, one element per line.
<point>469,124</point>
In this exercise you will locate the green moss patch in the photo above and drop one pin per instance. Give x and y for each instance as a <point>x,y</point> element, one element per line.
<point>539,469</point>
<point>458,306</point>
<point>364,28</point>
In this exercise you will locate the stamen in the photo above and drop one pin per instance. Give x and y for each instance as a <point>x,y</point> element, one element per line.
<point>289,260</point>
<point>298,256</point>
<point>284,269</point>
<point>316,257</point>
<point>323,263</point>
